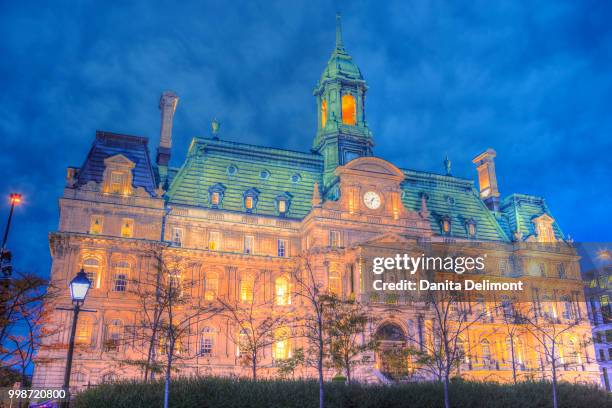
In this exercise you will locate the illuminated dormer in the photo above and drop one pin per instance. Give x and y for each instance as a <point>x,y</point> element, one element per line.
<point>117,178</point>
<point>544,228</point>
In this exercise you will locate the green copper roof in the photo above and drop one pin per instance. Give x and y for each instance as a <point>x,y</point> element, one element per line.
<point>240,168</point>
<point>519,210</point>
<point>340,64</point>
<point>454,198</point>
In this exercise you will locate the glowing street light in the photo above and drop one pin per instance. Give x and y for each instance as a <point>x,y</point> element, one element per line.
<point>79,286</point>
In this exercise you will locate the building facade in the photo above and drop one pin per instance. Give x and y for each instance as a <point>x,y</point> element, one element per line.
<point>598,292</point>
<point>233,211</point>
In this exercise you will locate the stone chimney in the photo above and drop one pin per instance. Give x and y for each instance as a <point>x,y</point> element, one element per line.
<point>167,106</point>
<point>486,178</point>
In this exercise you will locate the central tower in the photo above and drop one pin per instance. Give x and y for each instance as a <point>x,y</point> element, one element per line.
<point>342,132</point>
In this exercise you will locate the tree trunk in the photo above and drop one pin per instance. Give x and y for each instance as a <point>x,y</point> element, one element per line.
<point>348,371</point>
<point>513,359</point>
<point>446,396</point>
<point>320,363</point>
<point>168,370</point>
<point>254,366</point>
<point>554,382</point>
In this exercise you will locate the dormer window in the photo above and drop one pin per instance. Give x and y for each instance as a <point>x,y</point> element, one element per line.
<point>250,199</point>
<point>117,178</point>
<point>232,170</point>
<point>215,195</point>
<point>264,174</point>
<point>470,226</point>
<point>544,228</point>
<point>282,204</point>
<point>445,224</point>
<point>296,178</point>
<point>127,228</point>
<point>214,198</point>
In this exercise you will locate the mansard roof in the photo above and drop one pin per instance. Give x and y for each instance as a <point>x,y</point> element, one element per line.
<point>453,198</point>
<point>519,211</point>
<point>108,144</point>
<point>210,161</point>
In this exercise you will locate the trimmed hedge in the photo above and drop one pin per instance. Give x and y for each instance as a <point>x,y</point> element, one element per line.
<point>212,392</point>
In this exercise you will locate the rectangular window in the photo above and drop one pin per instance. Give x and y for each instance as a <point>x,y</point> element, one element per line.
<point>561,270</point>
<point>249,244</point>
<point>246,288</point>
<point>282,206</point>
<point>116,184</point>
<point>213,240</point>
<point>282,247</point>
<point>248,203</point>
<point>120,282</point>
<point>127,228</point>
<point>207,346</point>
<point>215,198</point>
<point>95,224</point>
<point>334,239</point>
<point>177,236</point>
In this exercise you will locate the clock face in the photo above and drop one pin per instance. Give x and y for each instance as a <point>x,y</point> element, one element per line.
<point>372,200</point>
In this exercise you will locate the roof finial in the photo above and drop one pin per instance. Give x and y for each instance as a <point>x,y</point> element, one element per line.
<point>339,45</point>
<point>447,165</point>
<point>215,128</point>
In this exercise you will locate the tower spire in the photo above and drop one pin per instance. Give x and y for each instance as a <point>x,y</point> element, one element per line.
<point>339,45</point>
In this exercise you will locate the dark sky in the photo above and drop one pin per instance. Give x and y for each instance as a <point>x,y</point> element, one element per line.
<point>533,81</point>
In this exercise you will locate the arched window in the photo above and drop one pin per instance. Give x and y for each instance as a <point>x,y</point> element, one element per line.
<point>281,344</point>
<point>207,341</point>
<point>212,285</point>
<point>334,278</point>
<point>247,284</point>
<point>281,289</point>
<point>349,110</point>
<point>83,331</point>
<point>485,350</point>
<point>91,266</point>
<point>461,349</point>
<point>323,113</point>
<point>113,335</point>
<point>121,274</point>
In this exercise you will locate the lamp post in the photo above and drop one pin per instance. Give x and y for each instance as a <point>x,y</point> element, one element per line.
<point>15,200</point>
<point>79,286</point>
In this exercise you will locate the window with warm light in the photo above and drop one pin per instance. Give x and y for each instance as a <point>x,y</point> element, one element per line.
<point>215,198</point>
<point>95,224</point>
<point>485,350</point>
<point>281,345</point>
<point>247,284</point>
<point>281,289</point>
<point>243,343</point>
<point>248,203</point>
<point>83,331</point>
<point>211,286</point>
<point>349,110</point>
<point>91,266</point>
<point>117,182</point>
<point>323,113</point>
<point>249,244</point>
<point>282,206</point>
<point>334,239</point>
<point>214,240</point>
<point>446,226</point>
<point>127,228</point>
<point>121,273</point>
<point>334,279</point>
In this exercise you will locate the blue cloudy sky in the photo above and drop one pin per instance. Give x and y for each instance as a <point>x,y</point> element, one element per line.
<point>445,77</point>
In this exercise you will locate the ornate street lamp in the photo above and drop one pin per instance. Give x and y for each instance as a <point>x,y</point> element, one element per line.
<point>79,286</point>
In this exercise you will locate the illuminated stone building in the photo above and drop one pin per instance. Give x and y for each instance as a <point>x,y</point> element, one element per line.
<point>232,210</point>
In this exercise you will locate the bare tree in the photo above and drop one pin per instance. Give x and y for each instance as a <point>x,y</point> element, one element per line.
<point>451,318</point>
<point>257,322</point>
<point>550,331</point>
<point>312,329</point>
